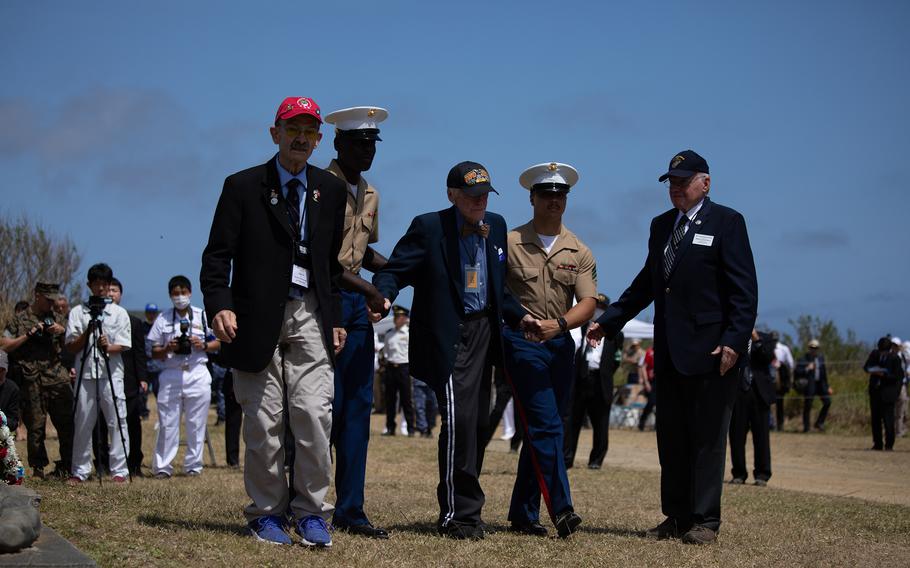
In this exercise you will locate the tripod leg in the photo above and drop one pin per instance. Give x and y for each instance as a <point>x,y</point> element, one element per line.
<point>110,381</point>
<point>208,443</point>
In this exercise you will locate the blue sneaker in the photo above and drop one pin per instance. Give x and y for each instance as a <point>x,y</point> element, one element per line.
<point>314,532</point>
<point>270,529</point>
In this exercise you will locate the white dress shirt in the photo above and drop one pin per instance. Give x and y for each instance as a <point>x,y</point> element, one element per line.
<point>396,346</point>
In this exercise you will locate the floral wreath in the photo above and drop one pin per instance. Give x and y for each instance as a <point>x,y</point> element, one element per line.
<point>11,470</point>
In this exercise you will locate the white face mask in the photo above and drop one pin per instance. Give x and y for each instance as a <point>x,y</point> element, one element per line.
<point>180,302</point>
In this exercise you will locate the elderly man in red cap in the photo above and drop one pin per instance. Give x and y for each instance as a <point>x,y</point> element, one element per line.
<point>270,277</point>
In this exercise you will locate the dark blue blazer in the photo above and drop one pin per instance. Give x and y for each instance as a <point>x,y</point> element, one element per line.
<point>710,298</point>
<point>427,258</point>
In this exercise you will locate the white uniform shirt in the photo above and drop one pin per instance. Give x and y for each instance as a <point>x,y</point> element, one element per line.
<point>396,346</point>
<point>593,355</point>
<point>167,327</point>
<point>115,324</point>
<point>783,355</point>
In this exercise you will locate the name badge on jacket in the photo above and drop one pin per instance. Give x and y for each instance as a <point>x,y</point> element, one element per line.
<point>703,240</point>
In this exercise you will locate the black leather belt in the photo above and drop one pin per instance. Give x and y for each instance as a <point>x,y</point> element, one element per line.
<point>473,316</point>
<point>396,365</point>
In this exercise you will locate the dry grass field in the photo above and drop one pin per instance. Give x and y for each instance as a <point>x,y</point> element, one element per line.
<point>801,519</point>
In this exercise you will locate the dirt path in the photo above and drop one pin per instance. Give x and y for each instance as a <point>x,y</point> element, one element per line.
<point>814,463</point>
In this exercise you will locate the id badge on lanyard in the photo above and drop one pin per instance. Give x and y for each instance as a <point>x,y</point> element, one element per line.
<point>471,277</point>
<point>300,272</point>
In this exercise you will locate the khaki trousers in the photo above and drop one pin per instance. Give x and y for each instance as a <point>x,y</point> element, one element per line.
<point>297,383</point>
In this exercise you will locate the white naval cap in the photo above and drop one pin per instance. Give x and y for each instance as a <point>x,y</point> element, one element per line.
<point>552,176</point>
<point>362,118</point>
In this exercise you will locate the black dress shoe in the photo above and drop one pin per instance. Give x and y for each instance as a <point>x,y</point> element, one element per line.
<point>462,532</point>
<point>594,466</point>
<point>668,529</point>
<point>487,529</point>
<point>699,534</point>
<point>566,523</point>
<point>388,433</point>
<point>366,530</point>
<point>533,528</point>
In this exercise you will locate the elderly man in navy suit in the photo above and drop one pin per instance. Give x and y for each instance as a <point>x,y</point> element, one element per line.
<point>456,261</point>
<point>701,277</point>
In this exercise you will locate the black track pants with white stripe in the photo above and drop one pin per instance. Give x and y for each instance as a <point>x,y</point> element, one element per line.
<point>460,496</point>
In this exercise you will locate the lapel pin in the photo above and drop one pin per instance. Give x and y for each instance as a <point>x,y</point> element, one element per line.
<point>274,199</point>
<point>698,221</point>
<point>316,196</point>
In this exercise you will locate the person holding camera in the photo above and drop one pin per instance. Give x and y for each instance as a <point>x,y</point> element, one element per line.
<point>98,331</point>
<point>33,341</point>
<point>181,339</point>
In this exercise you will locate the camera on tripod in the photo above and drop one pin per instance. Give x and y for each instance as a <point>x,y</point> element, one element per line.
<point>96,305</point>
<point>184,347</point>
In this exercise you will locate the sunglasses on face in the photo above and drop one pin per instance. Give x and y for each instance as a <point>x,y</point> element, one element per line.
<point>294,131</point>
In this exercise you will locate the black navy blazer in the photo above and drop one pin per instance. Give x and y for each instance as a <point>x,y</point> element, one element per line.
<point>246,266</point>
<point>135,360</point>
<point>760,358</point>
<point>888,387</point>
<point>427,258</point>
<point>710,298</point>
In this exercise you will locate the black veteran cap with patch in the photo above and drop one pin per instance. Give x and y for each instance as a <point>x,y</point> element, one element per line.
<point>471,178</point>
<point>49,291</point>
<point>686,164</point>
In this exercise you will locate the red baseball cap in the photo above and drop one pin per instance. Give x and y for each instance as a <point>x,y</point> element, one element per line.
<point>292,106</point>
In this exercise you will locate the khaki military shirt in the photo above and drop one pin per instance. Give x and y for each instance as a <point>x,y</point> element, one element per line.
<point>39,357</point>
<point>361,221</point>
<point>545,284</point>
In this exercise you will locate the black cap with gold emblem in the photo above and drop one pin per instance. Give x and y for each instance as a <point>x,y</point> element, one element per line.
<point>400,311</point>
<point>471,178</point>
<point>685,164</point>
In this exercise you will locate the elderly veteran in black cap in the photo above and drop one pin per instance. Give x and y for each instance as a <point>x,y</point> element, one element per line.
<point>356,134</point>
<point>552,273</point>
<point>701,277</point>
<point>34,340</point>
<point>455,259</point>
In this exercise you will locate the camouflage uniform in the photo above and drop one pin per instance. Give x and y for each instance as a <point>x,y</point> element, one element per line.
<point>45,386</point>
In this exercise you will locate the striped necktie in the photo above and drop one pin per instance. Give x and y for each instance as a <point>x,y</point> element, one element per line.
<point>293,205</point>
<point>670,253</point>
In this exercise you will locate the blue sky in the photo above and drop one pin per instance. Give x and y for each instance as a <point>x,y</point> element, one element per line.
<point>120,121</point>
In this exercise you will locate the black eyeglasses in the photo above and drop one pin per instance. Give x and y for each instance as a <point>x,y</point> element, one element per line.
<point>678,182</point>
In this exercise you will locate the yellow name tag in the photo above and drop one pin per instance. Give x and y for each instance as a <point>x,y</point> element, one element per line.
<point>470,276</point>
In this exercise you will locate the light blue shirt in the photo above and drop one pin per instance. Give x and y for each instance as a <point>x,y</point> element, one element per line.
<point>472,252</point>
<point>285,176</point>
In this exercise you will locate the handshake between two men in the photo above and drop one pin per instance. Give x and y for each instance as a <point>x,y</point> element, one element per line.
<point>536,330</point>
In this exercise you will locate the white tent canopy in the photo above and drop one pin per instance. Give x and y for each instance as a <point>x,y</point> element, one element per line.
<point>637,329</point>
